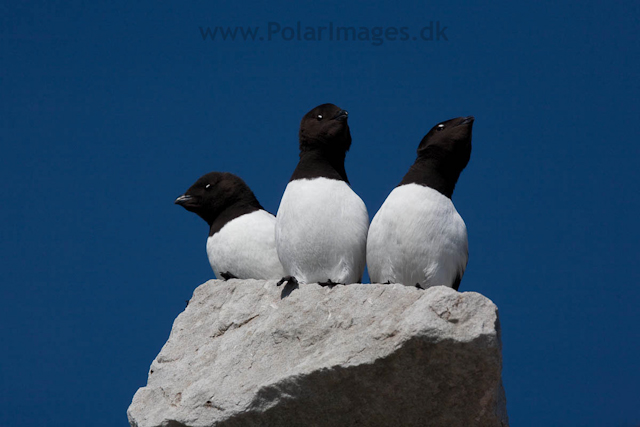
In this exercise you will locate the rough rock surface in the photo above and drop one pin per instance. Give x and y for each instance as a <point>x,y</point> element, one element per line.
<point>365,355</point>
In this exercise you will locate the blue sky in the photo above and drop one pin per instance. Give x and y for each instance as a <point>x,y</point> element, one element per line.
<point>109,112</point>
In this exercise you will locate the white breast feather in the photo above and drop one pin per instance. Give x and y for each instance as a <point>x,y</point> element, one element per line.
<point>245,247</point>
<point>321,231</point>
<point>417,236</point>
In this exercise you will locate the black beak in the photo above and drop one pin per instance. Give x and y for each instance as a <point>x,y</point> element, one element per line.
<point>467,120</point>
<point>183,200</point>
<point>341,115</point>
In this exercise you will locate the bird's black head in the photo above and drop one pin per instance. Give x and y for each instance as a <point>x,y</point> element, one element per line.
<point>216,192</point>
<point>442,155</point>
<point>325,128</point>
<point>448,143</point>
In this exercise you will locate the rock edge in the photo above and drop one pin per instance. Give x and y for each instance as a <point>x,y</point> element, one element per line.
<point>363,354</point>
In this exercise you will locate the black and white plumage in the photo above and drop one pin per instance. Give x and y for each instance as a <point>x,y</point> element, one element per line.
<point>417,237</point>
<point>321,225</point>
<point>241,241</point>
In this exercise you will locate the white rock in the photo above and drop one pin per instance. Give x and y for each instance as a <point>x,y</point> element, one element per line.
<point>366,355</point>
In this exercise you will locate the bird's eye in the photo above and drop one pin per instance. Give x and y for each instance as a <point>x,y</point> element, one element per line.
<point>319,117</point>
<point>440,127</point>
<point>207,186</point>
